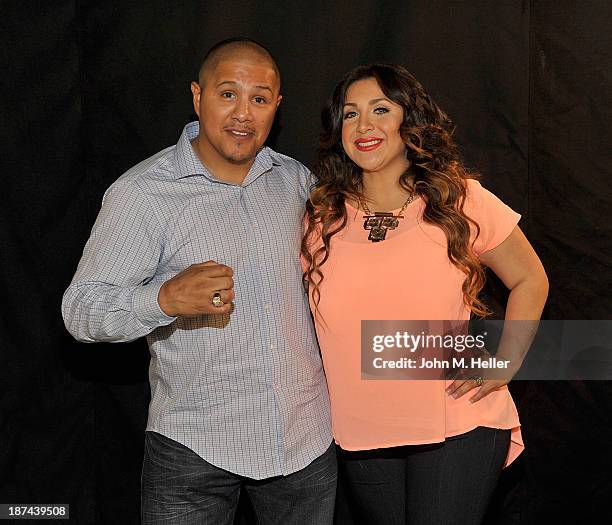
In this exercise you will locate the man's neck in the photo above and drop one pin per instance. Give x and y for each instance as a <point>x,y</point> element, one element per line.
<point>221,169</point>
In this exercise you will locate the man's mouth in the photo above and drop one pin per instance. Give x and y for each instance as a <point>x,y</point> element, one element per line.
<point>368,144</point>
<point>240,134</point>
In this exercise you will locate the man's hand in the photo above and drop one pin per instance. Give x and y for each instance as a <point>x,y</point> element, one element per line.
<point>190,292</point>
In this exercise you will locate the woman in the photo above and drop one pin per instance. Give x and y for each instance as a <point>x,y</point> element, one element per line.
<point>419,452</point>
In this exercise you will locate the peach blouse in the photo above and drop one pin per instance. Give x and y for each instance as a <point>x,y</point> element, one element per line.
<point>406,277</point>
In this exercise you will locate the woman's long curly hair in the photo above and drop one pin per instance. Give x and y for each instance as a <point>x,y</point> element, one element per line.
<point>439,177</point>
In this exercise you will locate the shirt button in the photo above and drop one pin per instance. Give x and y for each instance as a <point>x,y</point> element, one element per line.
<point>267,306</point>
<point>272,347</point>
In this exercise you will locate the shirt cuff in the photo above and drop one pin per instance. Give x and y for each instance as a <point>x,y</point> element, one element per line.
<point>146,307</point>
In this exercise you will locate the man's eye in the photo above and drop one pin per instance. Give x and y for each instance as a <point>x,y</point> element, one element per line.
<point>260,100</point>
<point>349,114</point>
<point>381,111</point>
<point>227,94</point>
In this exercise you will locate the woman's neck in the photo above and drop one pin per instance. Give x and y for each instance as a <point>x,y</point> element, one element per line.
<point>383,192</point>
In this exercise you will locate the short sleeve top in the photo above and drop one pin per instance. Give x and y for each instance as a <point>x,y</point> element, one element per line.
<point>408,276</point>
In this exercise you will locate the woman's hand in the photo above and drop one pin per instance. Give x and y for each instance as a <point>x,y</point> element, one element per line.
<point>460,387</point>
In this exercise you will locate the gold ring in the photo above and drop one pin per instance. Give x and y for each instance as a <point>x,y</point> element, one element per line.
<point>216,300</point>
<point>479,380</point>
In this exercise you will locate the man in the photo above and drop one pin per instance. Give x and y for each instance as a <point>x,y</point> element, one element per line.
<point>197,248</point>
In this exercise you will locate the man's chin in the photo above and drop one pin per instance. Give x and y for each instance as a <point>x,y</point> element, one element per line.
<point>242,157</point>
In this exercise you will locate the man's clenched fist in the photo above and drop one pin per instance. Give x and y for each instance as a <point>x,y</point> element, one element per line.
<point>190,292</point>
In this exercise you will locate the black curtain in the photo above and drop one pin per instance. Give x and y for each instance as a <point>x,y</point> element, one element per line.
<point>91,88</point>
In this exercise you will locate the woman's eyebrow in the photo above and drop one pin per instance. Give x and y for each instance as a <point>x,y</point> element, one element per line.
<point>371,102</point>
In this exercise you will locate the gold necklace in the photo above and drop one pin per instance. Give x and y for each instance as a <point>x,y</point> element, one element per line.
<point>379,222</point>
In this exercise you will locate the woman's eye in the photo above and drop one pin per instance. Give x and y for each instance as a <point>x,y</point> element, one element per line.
<point>381,111</point>
<point>349,114</point>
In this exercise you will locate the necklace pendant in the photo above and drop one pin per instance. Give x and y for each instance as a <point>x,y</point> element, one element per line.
<point>379,223</point>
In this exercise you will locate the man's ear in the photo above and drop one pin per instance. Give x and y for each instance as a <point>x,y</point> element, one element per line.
<point>196,92</point>
<point>278,101</point>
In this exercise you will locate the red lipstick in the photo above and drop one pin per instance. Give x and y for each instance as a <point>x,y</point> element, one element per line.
<point>368,143</point>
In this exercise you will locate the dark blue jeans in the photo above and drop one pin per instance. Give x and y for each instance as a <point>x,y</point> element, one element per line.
<point>447,483</point>
<point>181,488</point>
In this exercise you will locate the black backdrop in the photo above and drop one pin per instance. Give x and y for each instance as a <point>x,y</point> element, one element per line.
<point>90,88</point>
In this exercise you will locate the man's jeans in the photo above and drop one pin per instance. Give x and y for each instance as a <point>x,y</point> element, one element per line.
<point>179,487</point>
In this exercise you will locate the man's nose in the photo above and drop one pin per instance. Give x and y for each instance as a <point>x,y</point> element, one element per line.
<point>242,110</point>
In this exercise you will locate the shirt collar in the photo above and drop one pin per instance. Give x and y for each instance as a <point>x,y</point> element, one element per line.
<point>188,163</point>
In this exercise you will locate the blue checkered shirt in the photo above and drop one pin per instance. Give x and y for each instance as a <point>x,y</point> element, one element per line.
<point>245,391</point>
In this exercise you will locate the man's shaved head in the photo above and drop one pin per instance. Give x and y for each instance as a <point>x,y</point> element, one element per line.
<point>235,49</point>
<point>236,98</point>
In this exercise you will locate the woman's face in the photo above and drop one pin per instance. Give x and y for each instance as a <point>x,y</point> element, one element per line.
<point>370,129</point>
